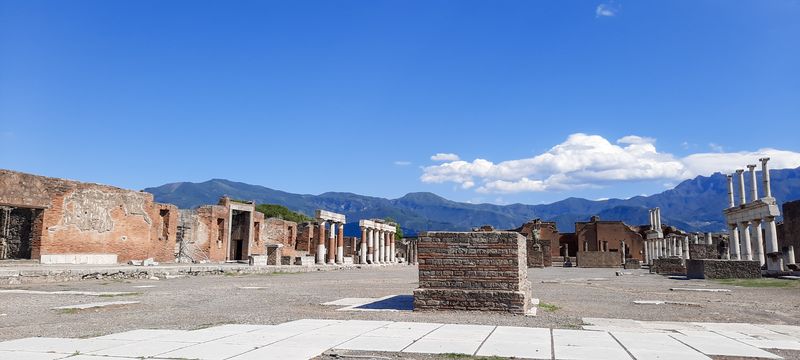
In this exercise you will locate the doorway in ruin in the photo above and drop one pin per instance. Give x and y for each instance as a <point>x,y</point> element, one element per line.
<point>20,231</point>
<point>240,235</point>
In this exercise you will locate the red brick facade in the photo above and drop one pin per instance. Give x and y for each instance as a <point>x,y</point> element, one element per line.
<point>593,235</point>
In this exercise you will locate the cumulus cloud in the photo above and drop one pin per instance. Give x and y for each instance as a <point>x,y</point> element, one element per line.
<point>587,161</point>
<point>445,157</point>
<point>606,10</point>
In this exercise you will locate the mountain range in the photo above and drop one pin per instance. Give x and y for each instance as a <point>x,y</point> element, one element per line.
<point>693,205</point>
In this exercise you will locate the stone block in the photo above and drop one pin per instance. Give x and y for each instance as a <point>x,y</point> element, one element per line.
<point>257,260</point>
<point>347,260</point>
<point>75,259</point>
<point>668,266</point>
<point>484,271</point>
<point>304,260</point>
<point>723,269</point>
<point>599,259</point>
<point>703,251</point>
<point>632,264</point>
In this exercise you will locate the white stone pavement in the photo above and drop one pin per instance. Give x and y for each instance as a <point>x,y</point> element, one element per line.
<point>307,338</point>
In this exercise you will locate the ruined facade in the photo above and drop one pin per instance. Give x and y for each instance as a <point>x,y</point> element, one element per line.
<point>609,236</point>
<point>52,220</point>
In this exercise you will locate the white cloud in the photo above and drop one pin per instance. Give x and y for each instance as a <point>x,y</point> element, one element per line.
<point>591,161</point>
<point>607,10</point>
<point>715,148</point>
<point>445,157</point>
<point>402,163</point>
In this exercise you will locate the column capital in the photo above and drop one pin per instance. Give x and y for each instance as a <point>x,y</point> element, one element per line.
<point>751,167</point>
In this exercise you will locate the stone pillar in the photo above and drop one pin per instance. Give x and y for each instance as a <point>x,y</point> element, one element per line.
<point>622,248</point>
<point>362,255</point>
<point>321,243</point>
<point>753,182</point>
<point>790,255</point>
<point>758,241</point>
<point>658,219</point>
<point>731,203</point>
<point>340,245</point>
<point>387,247</point>
<point>652,219</point>
<point>740,176</point>
<point>709,239</point>
<point>734,243</point>
<point>646,252</point>
<point>370,246</point>
<point>332,244</point>
<point>392,248</point>
<point>765,176</point>
<point>686,248</point>
<point>744,239</point>
<point>381,244</point>
<point>774,261</point>
<point>585,245</point>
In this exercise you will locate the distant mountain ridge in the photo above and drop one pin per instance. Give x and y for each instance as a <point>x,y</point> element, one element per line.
<point>694,204</point>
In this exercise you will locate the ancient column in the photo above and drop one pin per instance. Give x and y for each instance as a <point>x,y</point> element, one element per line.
<point>340,245</point>
<point>686,248</point>
<point>658,219</point>
<point>744,240</point>
<point>790,255</point>
<point>734,243</point>
<point>740,176</point>
<point>332,244</point>
<point>758,240</point>
<point>646,252</point>
<point>731,203</point>
<point>652,220</point>
<point>754,189</point>
<point>321,243</point>
<point>381,244</point>
<point>622,247</point>
<point>709,239</point>
<point>393,250</point>
<point>370,246</point>
<point>387,247</point>
<point>773,252</point>
<point>362,254</point>
<point>765,176</point>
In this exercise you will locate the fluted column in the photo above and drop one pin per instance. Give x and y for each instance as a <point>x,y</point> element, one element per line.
<point>734,243</point>
<point>321,243</point>
<point>753,182</point>
<point>731,203</point>
<point>392,248</point>
<point>740,177</point>
<point>765,176</point>
<point>370,246</point>
<point>758,241</point>
<point>340,245</point>
<point>744,239</point>
<point>362,255</point>
<point>381,244</point>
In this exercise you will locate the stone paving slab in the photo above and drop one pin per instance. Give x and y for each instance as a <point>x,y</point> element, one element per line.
<point>95,305</point>
<point>307,338</point>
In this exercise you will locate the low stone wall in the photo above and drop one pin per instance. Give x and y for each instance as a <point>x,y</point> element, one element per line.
<point>703,251</point>
<point>485,271</point>
<point>632,264</point>
<point>723,269</point>
<point>668,266</point>
<point>599,259</point>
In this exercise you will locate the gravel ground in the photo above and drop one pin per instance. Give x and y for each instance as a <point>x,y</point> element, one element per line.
<point>196,302</point>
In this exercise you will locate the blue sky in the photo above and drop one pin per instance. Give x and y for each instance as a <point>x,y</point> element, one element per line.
<point>539,100</point>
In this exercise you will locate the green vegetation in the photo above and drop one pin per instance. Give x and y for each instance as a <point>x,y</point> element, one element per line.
<point>760,283</point>
<point>398,234</point>
<point>282,212</point>
<point>68,311</point>
<point>548,307</point>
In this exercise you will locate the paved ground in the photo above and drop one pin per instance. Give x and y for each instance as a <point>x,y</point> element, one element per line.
<point>205,301</point>
<point>308,338</point>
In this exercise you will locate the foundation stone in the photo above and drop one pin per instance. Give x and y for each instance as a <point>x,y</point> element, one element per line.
<point>723,269</point>
<point>485,271</point>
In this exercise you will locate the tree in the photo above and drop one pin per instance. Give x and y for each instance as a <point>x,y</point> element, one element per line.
<point>398,233</point>
<point>282,212</point>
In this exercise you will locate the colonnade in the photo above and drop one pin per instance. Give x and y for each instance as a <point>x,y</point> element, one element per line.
<point>671,246</point>
<point>753,232</point>
<point>333,251</point>
<point>377,242</point>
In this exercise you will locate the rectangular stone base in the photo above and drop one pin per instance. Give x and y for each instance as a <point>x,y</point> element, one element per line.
<point>723,269</point>
<point>599,259</point>
<point>632,264</point>
<point>517,302</point>
<point>668,266</point>
<point>347,260</point>
<point>90,259</point>
<point>257,260</point>
<point>304,260</point>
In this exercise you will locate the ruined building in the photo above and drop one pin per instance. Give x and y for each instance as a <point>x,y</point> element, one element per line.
<point>63,221</point>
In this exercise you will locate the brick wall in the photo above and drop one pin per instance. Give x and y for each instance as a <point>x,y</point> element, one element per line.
<point>595,232</point>
<point>473,271</point>
<point>723,269</point>
<point>539,254</point>
<point>668,266</point>
<point>90,218</point>
<point>703,251</point>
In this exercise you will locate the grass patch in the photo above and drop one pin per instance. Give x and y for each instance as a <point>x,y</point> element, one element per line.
<point>68,311</point>
<point>760,283</point>
<point>548,307</point>
<point>119,295</point>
